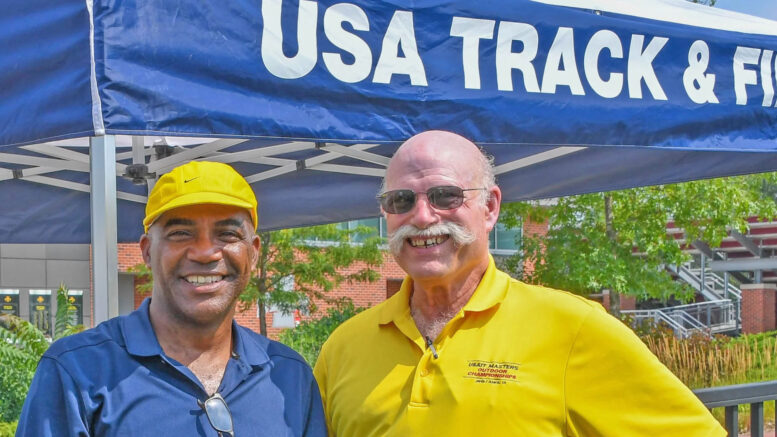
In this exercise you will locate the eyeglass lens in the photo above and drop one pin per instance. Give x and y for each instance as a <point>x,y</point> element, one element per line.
<point>218,413</point>
<point>402,201</point>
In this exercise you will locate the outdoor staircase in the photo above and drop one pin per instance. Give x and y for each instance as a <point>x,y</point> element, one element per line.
<point>706,282</point>
<point>720,313</point>
<point>712,317</point>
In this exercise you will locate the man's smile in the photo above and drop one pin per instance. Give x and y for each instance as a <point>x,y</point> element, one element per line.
<point>427,241</point>
<point>203,279</point>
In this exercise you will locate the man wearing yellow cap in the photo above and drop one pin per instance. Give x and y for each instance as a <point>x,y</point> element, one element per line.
<point>179,364</point>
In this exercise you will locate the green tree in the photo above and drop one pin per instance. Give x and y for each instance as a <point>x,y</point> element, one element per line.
<point>618,241</point>
<point>298,267</point>
<point>310,335</point>
<point>21,346</point>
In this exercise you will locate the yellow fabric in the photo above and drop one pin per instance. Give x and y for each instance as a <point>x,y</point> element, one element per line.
<point>518,360</point>
<point>198,182</point>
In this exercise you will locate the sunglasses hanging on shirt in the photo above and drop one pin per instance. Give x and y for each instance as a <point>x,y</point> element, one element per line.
<point>218,414</point>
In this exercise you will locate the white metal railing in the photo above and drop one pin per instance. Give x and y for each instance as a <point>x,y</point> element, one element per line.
<point>714,287</point>
<point>714,282</point>
<point>705,317</point>
<point>694,281</point>
<point>655,317</point>
<point>718,316</point>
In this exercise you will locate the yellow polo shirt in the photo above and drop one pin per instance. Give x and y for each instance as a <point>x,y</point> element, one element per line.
<point>518,360</point>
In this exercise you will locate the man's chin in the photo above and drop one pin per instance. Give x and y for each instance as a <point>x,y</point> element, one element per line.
<point>430,270</point>
<point>205,310</point>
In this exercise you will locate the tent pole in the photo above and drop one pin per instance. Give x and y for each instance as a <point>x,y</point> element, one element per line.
<point>105,274</point>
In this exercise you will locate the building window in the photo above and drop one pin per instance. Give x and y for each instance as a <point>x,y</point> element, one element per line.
<point>75,302</point>
<point>280,318</point>
<point>40,310</point>
<point>374,223</point>
<point>502,240</point>
<point>392,286</point>
<point>9,301</point>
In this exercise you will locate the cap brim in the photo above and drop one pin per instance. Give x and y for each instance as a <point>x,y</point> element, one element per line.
<point>201,198</point>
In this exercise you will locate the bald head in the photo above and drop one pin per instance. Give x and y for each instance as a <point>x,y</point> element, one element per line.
<point>440,149</point>
<point>436,237</point>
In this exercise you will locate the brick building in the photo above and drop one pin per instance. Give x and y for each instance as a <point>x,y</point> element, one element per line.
<point>31,273</point>
<point>503,243</point>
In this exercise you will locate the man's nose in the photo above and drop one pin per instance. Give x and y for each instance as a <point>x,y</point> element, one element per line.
<point>423,213</point>
<point>204,250</point>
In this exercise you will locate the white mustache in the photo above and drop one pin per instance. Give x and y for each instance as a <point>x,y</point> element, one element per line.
<point>461,236</point>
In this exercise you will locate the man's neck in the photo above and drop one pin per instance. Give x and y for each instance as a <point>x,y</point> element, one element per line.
<point>434,303</point>
<point>205,350</point>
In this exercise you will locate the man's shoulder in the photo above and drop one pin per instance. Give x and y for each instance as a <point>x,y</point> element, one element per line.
<point>106,334</point>
<point>549,299</point>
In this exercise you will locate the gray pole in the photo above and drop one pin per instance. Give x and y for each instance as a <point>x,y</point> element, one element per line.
<point>105,274</point>
<point>703,274</point>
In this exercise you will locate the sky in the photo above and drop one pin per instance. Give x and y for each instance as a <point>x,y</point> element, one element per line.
<point>759,8</point>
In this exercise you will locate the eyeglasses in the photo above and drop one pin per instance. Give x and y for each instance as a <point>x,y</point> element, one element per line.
<point>442,197</point>
<point>218,414</point>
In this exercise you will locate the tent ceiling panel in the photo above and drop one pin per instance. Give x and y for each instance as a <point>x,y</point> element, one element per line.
<point>569,96</point>
<point>300,183</point>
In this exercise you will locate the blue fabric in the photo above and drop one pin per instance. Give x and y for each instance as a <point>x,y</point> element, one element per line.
<point>35,213</point>
<point>115,380</point>
<point>200,70</point>
<point>44,71</point>
<point>165,67</point>
<point>188,68</point>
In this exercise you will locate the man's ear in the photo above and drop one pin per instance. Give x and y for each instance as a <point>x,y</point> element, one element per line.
<point>256,244</point>
<point>492,206</point>
<point>145,249</point>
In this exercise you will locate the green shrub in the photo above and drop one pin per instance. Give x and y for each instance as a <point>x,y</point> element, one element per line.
<point>701,361</point>
<point>309,336</point>
<point>21,346</point>
<point>7,429</point>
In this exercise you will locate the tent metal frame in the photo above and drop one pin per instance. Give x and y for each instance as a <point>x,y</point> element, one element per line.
<point>103,163</point>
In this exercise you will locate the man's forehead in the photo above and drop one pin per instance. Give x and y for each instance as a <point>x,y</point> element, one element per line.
<point>435,175</point>
<point>444,167</point>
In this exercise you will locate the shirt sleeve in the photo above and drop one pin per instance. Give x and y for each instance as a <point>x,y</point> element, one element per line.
<point>615,386</point>
<point>320,373</point>
<point>53,406</point>
<point>316,424</point>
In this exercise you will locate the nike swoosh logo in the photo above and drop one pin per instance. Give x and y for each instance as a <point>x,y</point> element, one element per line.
<point>189,180</point>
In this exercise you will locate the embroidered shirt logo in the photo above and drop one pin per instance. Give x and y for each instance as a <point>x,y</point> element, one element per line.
<point>492,372</point>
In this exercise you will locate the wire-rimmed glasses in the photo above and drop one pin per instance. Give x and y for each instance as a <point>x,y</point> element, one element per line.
<point>218,414</point>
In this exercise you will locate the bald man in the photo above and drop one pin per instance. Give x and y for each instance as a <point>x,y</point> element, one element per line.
<point>463,349</point>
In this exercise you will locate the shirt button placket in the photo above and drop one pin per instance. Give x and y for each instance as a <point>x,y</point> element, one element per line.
<point>422,382</point>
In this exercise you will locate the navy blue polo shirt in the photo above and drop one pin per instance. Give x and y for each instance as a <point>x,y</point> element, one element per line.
<point>115,380</point>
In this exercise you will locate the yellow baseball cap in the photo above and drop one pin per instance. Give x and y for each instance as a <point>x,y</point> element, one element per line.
<point>199,182</point>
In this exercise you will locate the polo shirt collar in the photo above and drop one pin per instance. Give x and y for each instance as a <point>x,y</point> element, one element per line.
<point>490,292</point>
<point>138,334</point>
<point>249,348</point>
<point>398,305</point>
<point>141,340</point>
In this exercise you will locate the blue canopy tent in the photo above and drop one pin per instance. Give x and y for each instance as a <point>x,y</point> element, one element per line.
<point>310,99</point>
